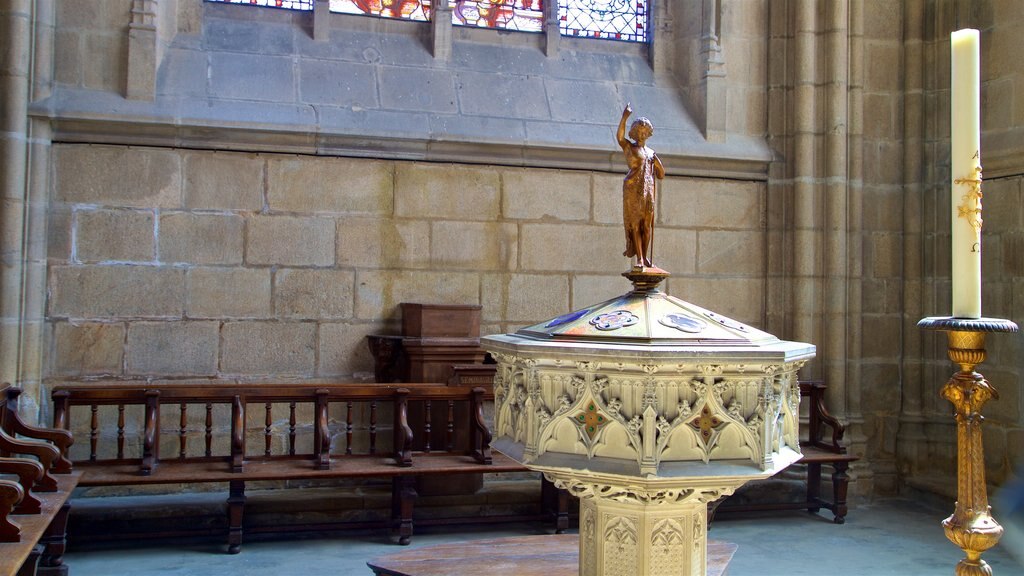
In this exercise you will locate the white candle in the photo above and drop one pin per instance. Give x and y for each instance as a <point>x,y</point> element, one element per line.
<point>965,156</point>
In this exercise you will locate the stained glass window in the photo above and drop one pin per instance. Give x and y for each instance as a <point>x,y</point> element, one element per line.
<point>521,15</point>
<point>407,9</point>
<point>612,19</point>
<point>286,4</point>
<point>609,19</point>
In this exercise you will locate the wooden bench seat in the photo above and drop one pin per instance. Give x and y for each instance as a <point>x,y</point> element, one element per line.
<point>823,446</point>
<point>37,483</point>
<point>244,433</point>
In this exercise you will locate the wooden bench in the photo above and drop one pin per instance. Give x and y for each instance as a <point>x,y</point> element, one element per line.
<point>34,493</point>
<point>243,433</point>
<point>823,446</point>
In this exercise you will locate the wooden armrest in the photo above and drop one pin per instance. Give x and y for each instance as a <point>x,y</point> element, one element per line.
<point>403,432</point>
<point>322,432</point>
<point>10,494</point>
<point>62,439</point>
<point>480,439</point>
<point>28,472</point>
<point>819,417</point>
<point>45,452</point>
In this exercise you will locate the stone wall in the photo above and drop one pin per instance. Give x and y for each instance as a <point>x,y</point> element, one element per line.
<point>168,263</point>
<point>927,434</point>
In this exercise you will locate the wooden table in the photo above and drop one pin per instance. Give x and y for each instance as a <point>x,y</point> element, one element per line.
<point>546,555</point>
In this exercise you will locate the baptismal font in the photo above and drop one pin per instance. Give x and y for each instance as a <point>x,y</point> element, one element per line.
<point>645,406</point>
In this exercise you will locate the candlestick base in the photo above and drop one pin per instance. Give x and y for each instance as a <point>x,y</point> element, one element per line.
<point>971,527</point>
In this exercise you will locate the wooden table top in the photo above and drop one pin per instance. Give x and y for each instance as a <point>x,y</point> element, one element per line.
<point>545,555</point>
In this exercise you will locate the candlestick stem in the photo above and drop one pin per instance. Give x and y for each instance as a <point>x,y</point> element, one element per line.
<point>971,526</point>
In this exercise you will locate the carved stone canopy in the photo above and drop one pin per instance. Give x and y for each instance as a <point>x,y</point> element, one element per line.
<point>647,385</point>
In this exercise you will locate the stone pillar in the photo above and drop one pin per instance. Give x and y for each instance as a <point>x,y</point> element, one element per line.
<point>441,31</point>
<point>661,40</point>
<point>322,20</point>
<point>26,64</point>
<point>839,265</point>
<point>628,529</point>
<point>142,51</point>
<point>806,296</point>
<point>715,90</point>
<point>913,435</point>
<point>852,386</point>
<point>552,30</point>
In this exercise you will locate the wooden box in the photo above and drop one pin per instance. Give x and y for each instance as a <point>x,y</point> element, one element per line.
<point>440,320</point>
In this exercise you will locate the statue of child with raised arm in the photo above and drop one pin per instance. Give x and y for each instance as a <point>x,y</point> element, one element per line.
<point>638,189</point>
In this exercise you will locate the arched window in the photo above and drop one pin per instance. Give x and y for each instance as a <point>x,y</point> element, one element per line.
<point>607,19</point>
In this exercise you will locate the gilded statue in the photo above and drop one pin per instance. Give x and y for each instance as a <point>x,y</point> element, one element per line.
<point>639,189</point>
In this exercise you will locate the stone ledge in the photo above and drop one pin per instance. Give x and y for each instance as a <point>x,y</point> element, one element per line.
<point>100,117</point>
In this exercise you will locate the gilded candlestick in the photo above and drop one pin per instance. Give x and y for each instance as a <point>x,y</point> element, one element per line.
<point>971,526</point>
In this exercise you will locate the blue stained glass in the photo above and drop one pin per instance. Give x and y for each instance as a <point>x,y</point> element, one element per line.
<point>610,19</point>
<point>286,4</point>
<point>564,318</point>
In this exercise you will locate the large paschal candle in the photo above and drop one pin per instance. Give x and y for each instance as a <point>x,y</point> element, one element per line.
<point>965,159</point>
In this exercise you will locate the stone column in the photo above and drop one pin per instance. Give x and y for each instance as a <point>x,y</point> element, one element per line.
<point>627,528</point>
<point>441,31</point>
<point>661,40</point>
<point>912,434</point>
<point>26,63</point>
<point>142,51</point>
<point>713,61</point>
<point>852,388</point>
<point>841,312</point>
<point>552,29</point>
<point>807,272</point>
<point>322,20</point>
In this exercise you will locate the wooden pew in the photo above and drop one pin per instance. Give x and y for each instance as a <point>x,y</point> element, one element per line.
<point>330,431</point>
<point>823,446</point>
<point>34,508</point>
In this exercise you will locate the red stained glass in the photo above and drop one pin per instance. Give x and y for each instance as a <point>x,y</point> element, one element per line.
<point>286,4</point>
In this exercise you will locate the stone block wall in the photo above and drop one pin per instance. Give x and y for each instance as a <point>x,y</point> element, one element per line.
<point>927,436</point>
<point>182,264</point>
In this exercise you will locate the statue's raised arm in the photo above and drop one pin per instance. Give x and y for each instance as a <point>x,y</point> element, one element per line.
<point>638,188</point>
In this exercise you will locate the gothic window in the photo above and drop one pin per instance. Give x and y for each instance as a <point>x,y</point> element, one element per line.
<point>607,19</point>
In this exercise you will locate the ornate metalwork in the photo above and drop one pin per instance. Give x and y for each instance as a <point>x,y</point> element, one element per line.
<point>615,320</point>
<point>970,202</point>
<point>591,420</point>
<point>971,526</point>
<point>706,423</point>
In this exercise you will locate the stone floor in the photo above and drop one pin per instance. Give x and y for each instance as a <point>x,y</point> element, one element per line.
<point>890,537</point>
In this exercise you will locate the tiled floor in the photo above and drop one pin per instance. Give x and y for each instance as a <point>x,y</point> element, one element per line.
<point>891,537</point>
